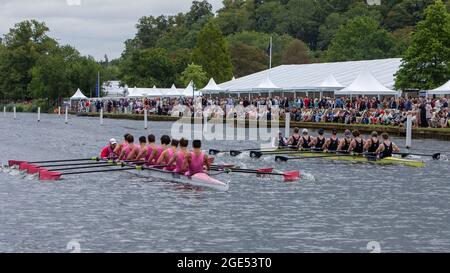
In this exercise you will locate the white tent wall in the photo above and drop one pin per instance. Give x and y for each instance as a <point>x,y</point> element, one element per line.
<point>298,78</point>
<point>441,90</point>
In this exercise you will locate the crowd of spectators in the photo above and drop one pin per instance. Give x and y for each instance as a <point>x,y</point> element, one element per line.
<point>425,112</point>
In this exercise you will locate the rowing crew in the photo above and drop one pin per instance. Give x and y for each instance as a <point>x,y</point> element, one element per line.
<point>171,154</point>
<point>351,142</point>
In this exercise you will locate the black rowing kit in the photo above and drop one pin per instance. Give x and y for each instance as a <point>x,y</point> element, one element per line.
<point>373,146</point>
<point>306,142</point>
<point>359,148</point>
<point>295,140</point>
<point>334,144</point>
<point>320,143</point>
<point>388,150</point>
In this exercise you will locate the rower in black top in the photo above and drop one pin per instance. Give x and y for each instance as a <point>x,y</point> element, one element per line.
<point>357,144</point>
<point>332,143</point>
<point>305,140</point>
<point>295,138</point>
<point>387,148</point>
<point>372,144</point>
<point>344,144</point>
<point>319,141</point>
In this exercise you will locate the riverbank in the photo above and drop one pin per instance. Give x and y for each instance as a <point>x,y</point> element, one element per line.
<point>425,133</point>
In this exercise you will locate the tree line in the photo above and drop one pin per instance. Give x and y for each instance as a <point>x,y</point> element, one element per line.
<point>233,41</point>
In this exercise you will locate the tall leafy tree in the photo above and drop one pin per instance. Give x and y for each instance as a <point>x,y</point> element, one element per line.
<point>426,63</point>
<point>199,10</point>
<point>247,59</point>
<point>360,39</point>
<point>296,53</point>
<point>196,74</point>
<point>212,53</point>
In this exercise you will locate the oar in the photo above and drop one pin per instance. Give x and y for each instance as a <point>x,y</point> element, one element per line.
<point>52,176</point>
<point>287,176</point>
<point>267,150</point>
<point>215,152</point>
<point>258,154</point>
<point>17,162</point>
<point>435,156</point>
<point>284,159</point>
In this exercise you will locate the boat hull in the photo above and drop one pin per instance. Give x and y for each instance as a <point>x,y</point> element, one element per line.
<point>202,180</point>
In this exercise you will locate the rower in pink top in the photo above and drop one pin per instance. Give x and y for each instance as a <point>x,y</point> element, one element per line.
<point>126,150</point>
<point>167,156</point>
<point>156,154</point>
<point>197,161</point>
<point>180,157</point>
<point>119,148</point>
<point>148,151</point>
<point>134,155</point>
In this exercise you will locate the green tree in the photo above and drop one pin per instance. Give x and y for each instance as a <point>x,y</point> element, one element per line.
<point>148,67</point>
<point>199,10</point>
<point>296,53</point>
<point>212,53</point>
<point>247,59</point>
<point>23,46</point>
<point>426,63</point>
<point>233,17</point>
<point>194,73</point>
<point>360,39</point>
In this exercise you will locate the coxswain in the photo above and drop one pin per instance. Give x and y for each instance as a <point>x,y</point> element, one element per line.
<point>196,161</point>
<point>134,155</point>
<point>372,144</point>
<point>305,140</point>
<point>332,143</point>
<point>156,153</point>
<point>357,144</point>
<point>344,144</point>
<point>179,159</point>
<point>319,141</point>
<point>108,151</point>
<point>387,147</point>
<point>127,149</point>
<point>167,155</point>
<point>282,141</point>
<point>122,145</point>
<point>295,138</point>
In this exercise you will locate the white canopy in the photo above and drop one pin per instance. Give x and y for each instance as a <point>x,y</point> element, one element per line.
<point>366,84</point>
<point>189,91</point>
<point>212,87</point>
<point>442,90</point>
<point>266,85</point>
<point>331,83</point>
<point>78,96</point>
<point>143,93</point>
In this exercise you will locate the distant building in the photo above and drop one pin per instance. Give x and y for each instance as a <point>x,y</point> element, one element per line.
<point>114,89</point>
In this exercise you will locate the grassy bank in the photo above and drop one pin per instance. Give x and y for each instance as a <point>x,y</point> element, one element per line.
<point>31,107</point>
<point>431,133</point>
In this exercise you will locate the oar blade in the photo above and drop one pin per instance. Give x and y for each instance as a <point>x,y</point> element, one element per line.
<point>291,176</point>
<point>33,169</point>
<point>214,152</point>
<point>12,163</point>
<point>235,153</point>
<point>45,175</point>
<point>436,156</point>
<point>281,159</point>
<point>23,166</point>
<point>211,160</point>
<point>255,154</point>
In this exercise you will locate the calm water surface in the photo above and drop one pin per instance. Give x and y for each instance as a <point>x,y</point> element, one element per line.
<point>338,207</point>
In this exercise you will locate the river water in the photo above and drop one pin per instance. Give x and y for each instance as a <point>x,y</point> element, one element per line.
<point>337,207</point>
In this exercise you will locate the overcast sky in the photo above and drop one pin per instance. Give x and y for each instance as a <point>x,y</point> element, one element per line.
<point>94,27</point>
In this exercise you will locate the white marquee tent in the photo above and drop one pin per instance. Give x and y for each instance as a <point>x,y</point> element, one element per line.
<point>366,84</point>
<point>310,77</point>
<point>442,90</point>
<point>212,87</point>
<point>78,96</point>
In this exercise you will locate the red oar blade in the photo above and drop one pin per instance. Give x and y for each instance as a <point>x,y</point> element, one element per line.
<point>211,160</point>
<point>266,170</point>
<point>23,166</point>
<point>291,176</point>
<point>12,163</point>
<point>45,175</point>
<point>33,169</point>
